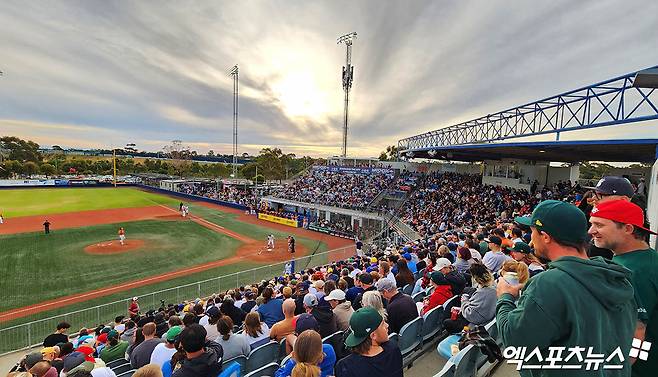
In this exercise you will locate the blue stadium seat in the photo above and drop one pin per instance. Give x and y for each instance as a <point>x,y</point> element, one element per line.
<point>282,349</point>
<point>122,368</point>
<point>261,356</point>
<point>241,360</point>
<point>127,373</point>
<point>231,370</point>
<point>419,297</point>
<point>432,323</point>
<point>116,363</point>
<point>394,337</point>
<point>410,336</point>
<point>266,370</point>
<point>419,274</point>
<point>463,364</point>
<point>335,340</point>
<point>407,289</point>
<point>285,360</point>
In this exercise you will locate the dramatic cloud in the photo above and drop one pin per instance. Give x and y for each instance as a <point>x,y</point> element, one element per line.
<point>106,73</point>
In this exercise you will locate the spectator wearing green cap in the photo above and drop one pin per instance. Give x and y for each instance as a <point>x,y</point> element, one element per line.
<point>522,252</point>
<point>372,353</point>
<point>115,348</point>
<point>164,351</point>
<point>577,301</point>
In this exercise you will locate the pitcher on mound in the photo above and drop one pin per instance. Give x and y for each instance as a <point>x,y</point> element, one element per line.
<point>122,235</point>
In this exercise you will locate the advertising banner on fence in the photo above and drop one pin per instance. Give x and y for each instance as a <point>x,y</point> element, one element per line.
<point>329,231</point>
<point>353,170</point>
<point>278,220</point>
<point>26,182</point>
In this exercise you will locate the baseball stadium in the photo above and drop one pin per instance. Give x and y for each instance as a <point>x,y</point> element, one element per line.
<point>163,217</point>
<point>83,252</point>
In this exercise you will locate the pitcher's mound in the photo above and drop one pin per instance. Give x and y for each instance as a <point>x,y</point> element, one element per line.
<point>113,247</point>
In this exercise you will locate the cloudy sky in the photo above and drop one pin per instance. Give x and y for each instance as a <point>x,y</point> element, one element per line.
<point>106,73</point>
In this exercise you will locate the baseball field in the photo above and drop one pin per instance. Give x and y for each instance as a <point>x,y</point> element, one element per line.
<point>81,262</point>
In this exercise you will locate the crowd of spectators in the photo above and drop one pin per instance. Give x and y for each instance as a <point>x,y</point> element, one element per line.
<point>479,267</point>
<point>361,293</point>
<point>335,226</point>
<point>447,201</point>
<point>230,194</point>
<point>336,189</point>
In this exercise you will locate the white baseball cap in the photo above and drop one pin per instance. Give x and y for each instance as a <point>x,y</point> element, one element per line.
<point>442,263</point>
<point>336,294</point>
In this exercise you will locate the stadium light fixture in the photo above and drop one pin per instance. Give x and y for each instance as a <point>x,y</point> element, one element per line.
<point>647,78</point>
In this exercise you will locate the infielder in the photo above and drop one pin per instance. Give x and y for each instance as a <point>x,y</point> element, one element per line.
<point>122,235</point>
<point>270,242</point>
<point>291,244</point>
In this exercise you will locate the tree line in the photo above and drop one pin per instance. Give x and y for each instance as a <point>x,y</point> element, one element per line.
<point>22,158</point>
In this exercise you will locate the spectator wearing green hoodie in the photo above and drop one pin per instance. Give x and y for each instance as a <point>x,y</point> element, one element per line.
<point>576,302</point>
<point>618,225</point>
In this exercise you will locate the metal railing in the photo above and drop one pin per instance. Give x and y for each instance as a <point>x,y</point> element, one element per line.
<point>28,335</point>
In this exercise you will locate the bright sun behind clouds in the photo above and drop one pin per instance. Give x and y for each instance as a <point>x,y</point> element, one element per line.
<point>300,95</point>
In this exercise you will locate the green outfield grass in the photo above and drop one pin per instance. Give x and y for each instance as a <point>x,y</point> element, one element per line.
<point>37,267</point>
<point>29,202</point>
<point>230,221</point>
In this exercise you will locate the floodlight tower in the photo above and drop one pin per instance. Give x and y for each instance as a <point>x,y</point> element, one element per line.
<point>348,76</point>
<point>234,73</point>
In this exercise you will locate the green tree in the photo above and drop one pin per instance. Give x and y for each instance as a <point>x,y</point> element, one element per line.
<point>594,170</point>
<point>21,150</point>
<point>57,161</point>
<point>248,170</point>
<point>270,162</point>
<point>48,169</point>
<point>30,168</point>
<point>13,167</point>
<point>390,154</point>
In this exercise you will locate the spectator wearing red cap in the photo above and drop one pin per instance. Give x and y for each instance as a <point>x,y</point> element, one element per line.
<point>618,225</point>
<point>577,301</point>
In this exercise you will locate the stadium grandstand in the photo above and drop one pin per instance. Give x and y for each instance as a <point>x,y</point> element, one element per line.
<point>449,246</point>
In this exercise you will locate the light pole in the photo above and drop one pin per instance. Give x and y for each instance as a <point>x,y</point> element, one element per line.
<point>234,73</point>
<point>348,76</point>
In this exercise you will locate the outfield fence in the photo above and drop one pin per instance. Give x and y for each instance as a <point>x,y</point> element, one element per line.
<point>31,334</point>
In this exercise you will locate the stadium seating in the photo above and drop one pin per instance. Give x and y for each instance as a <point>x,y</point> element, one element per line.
<point>233,369</point>
<point>122,368</point>
<point>261,356</point>
<point>282,349</point>
<point>410,337</point>
<point>266,370</point>
<point>116,363</point>
<point>465,367</point>
<point>335,340</point>
<point>336,189</point>
<point>432,323</point>
<point>128,373</point>
<point>285,360</point>
<point>240,360</point>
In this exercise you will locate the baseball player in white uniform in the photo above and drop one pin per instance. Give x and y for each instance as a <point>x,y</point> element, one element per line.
<point>122,235</point>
